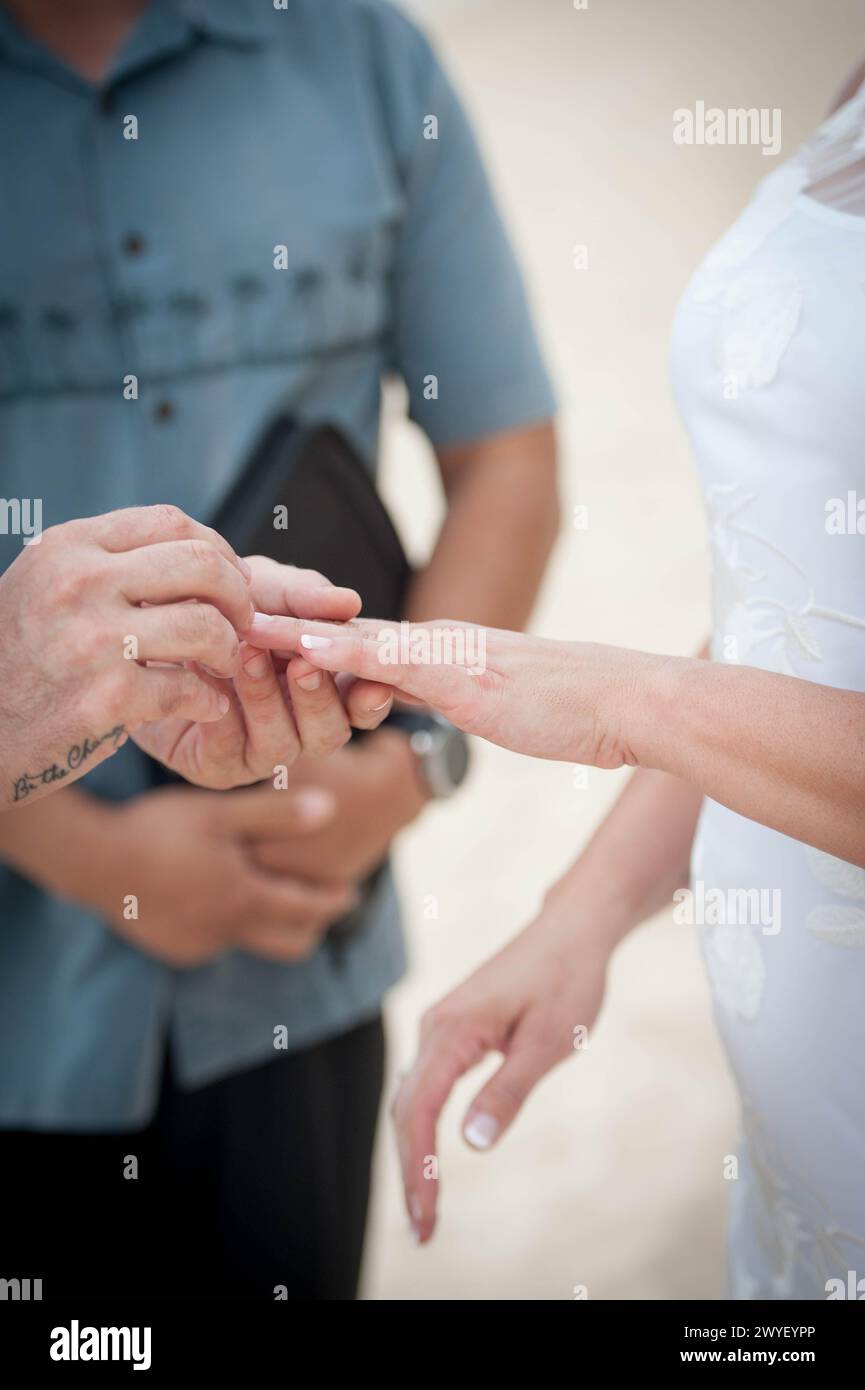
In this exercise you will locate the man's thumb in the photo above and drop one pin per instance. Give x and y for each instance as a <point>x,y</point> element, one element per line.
<point>268,811</point>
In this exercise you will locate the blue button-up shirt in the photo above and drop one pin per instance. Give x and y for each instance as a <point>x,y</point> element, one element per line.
<point>327,128</point>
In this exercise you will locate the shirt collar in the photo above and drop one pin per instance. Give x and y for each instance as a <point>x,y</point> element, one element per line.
<point>163,25</point>
<point>232,20</point>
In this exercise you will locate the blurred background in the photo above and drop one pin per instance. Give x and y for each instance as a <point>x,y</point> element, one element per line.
<point>612,1176</point>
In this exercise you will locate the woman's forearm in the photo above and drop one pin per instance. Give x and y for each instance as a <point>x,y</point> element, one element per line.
<point>785,752</point>
<point>636,859</point>
<point>782,751</point>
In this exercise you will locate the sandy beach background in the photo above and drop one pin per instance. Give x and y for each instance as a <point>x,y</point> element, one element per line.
<point>612,1177</point>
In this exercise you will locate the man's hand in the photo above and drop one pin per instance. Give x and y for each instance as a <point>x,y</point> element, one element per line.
<point>530,1003</point>
<point>175,877</point>
<point>74,678</point>
<point>376,792</point>
<point>276,710</point>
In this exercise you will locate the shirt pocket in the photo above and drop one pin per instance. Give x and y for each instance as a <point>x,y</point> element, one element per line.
<point>322,295</point>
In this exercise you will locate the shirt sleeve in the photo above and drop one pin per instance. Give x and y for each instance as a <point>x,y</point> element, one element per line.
<point>462,335</point>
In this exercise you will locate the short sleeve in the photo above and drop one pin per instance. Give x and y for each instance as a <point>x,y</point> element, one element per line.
<point>462,335</point>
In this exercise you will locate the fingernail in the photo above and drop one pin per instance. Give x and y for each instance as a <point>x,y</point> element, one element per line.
<point>481,1131</point>
<point>313,802</point>
<point>223,704</point>
<point>310,682</point>
<point>384,704</point>
<point>312,642</point>
<point>416,1212</point>
<point>245,569</point>
<point>262,619</point>
<point>257,666</point>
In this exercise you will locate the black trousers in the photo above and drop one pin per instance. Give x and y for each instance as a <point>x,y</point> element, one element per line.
<point>253,1187</point>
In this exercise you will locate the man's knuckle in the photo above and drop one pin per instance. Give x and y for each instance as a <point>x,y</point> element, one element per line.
<point>206,558</point>
<point>169,520</point>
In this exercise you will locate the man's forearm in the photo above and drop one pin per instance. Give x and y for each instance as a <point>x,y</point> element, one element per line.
<point>57,841</point>
<point>501,524</point>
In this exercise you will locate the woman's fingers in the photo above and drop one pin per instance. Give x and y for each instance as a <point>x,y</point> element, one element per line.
<point>186,569</point>
<point>271,736</point>
<point>426,661</point>
<point>500,1100</point>
<point>448,1050</point>
<point>184,632</point>
<point>319,715</point>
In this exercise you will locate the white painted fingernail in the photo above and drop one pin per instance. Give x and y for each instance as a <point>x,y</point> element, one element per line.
<point>311,642</point>
<point>481,1131</point>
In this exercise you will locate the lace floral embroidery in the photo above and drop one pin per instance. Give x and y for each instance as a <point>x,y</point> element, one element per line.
<point>840,924</point>
<point>802,1245</point>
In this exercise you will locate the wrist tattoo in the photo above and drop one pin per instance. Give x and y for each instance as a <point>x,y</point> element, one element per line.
<point>79,753</point>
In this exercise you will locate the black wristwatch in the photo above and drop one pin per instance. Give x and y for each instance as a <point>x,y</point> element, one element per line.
<point>441,750</point>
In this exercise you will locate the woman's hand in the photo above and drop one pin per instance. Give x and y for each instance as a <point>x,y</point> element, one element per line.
<point>533,1002</point>
<point>274,711</point>
<point>574,701</point>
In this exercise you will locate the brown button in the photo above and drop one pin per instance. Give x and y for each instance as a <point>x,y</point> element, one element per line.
<point>133,244</point>
<point>163,410</point>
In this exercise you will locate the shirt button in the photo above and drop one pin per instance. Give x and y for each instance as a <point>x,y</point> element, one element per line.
<point>133,244</point>
<point>163,411</point>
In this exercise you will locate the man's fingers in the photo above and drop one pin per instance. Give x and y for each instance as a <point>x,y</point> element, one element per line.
<point>132,527</point>
<point>446,1053</point>
<point>185,569</point>
<point>286,903</point>
<point>319,715</point>
<point>367,703</point>
<point>271,737</point>
<point>179,694</point>
<point>499,1101</point>
<point>184,632</point>
<point>303,593</point>
<point>273,814</point>
<point>288,945</point>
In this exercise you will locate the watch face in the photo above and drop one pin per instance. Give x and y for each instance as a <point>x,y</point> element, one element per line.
<point>442,752</point>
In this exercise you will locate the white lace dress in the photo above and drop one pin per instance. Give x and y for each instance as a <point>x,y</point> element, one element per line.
<point>769,373</point>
